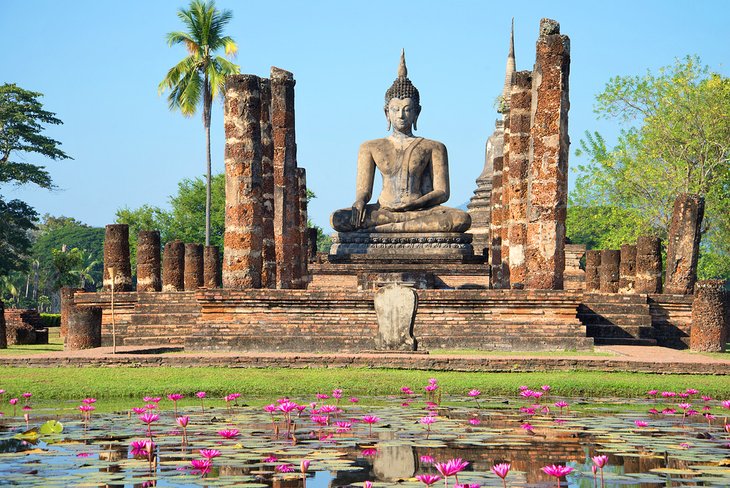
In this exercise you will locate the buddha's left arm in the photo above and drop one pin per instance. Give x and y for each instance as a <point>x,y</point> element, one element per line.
<point>440,175</point>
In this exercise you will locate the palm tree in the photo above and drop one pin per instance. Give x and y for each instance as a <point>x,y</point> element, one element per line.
<point>200,76</point>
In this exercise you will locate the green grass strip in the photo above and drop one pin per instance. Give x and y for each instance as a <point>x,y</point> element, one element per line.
<point>67,383</point>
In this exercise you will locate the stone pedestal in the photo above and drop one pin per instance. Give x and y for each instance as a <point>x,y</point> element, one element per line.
<point>116,255</point>
<point>395,307</point>
<point>609,270</point>
<point>286,185</point>
<point>710,321</point>
<point>648,265</point>
<point>436,245</point>
<point>148,261</point>
<point>627,269</point>
<point>193,266</point>
<point>243,239</point>
<point>683,244</point>
<point>548,177</point>
<point>574,277</point>
<point>480,205</point>
<point>593,264</point>
<point>211,267</point>
<point>515,179</point>
<point>84,328</point>
<point>3,330</point>
<point>268,249</point>
<point>173,266</point>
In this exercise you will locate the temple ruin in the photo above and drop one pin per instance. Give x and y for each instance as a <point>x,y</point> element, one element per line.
<point>510,282</point>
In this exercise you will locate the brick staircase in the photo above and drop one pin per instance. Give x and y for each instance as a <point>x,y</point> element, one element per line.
<point>617,319</point>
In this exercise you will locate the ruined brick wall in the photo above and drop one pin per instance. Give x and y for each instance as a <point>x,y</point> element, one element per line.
<point>268,250</point>
<point>116,255</point>
<point>173,266</point>
<point>22,326</point>
<point>683,244</point>
<point>710,321</point>
<point>148,261</point>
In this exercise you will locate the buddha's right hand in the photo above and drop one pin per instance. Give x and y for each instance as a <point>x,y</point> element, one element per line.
<point>358,214</point>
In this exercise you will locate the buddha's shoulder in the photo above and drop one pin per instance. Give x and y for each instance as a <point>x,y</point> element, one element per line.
<point>385,142</point>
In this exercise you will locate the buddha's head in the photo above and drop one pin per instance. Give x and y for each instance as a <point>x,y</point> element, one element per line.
<point>402,101</point>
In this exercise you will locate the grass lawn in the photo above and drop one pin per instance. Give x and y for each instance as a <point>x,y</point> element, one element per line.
<point>65,383</point>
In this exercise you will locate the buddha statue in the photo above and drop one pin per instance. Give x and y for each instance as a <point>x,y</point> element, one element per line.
<point>415,175</point>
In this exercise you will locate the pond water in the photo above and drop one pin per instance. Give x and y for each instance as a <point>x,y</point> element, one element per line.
<point>405,437</point>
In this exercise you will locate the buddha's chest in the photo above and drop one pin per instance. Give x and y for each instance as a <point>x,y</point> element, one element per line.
<point>394,161</point>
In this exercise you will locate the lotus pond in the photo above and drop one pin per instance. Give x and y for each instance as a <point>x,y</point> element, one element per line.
<point>535,438</point>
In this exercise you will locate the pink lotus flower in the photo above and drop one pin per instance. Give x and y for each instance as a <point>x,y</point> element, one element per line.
<point>685,406</point>
<point>528,427</point>
<point>149,417</point>
<point>337,393</point>
<point>557,471</point>
<point>270,459</point>
<point>652,392</point>
<point>475,421</point>
<point>228,433</point>
<point>368,484</point>
<point>428,479</point>
<point>502,470</point>
<point>201,466</point>
<point>669,411</point>
<point>175,396</point>
<point>727,428</point>
<point>88,401</point>
<point>151,399</point>
<point>322,396</point>
<point>691,391</point>
<point>368,452</point>
<point>545,388</point>
<point>2,391</point>
<point>343,427</point>
<point>474,393</point>
<point>683,395</point>
<point>561,404</point>
<point>523,388</point>
<point>27,395</point>
<point>725,404</point>
<point>526,393</point>
<point>200,394</point>
<point>284,468</point>
<point>84,455</point>
<point>183,421</point>
<point>151,406</point>
<point>13,401</point>
<point>354,399</point>
<point>451,468</point>
<point>87,408</point>
<point>304,465</point>
<point>431,388</point>
<point>668,394</point>
<point>427,460</point>
<point>427,420</point>
<point>139,448</point>
<point>641,423</point>
<point>706,398</point>
<point>370,420</point>
<point>406,390</point>
<point>209,453</point>
<point>600,461</point>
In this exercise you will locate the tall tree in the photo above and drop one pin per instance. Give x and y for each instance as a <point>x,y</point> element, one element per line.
<point>200,76</point>
<point>675,138</point>
<point>22,121</point>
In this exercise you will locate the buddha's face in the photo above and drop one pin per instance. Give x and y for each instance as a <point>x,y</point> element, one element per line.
<point>402,113</point>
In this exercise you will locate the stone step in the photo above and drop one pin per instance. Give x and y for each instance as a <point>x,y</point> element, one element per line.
<point>623,341</point>
<point>636,320</point>
<point>615,308</point>
<point>614,298</point>
<point>618,331</point>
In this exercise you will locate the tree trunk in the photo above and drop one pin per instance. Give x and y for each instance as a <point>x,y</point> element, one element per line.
<point>207,106</point>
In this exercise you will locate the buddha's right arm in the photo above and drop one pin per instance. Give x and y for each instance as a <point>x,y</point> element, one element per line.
<point>365,175</point>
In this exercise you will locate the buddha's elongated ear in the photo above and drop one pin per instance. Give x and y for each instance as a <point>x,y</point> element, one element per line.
<point>415,119</point>
<point>387,118</point>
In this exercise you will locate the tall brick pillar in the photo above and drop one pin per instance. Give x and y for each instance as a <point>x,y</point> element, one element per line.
<point>193,267</point>
<point>515,179</point>
<point>627,269</point>
<point>268,250</point>
<point>211,267</point>
<point>710,322</point>
<point>495,258</point>
<point>648,265</point>
<point>303,236</point>
<point>286,186</point>
<point>593,264</point>
<point>3,328</point>
<point>504,213</point>
<point>683,244</point>
<point>609,270</point>
<point>116,255</point>
<point>548,176</point>
<point>173,266</point>
<point>84,327</point>
<point>243,239</point>
<point>148,261</point>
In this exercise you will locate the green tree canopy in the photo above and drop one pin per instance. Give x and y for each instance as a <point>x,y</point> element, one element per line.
<point>199,77</point>
<point>675,138</point>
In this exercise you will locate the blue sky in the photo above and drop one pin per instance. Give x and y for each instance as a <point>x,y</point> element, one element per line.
<point>99,63</point>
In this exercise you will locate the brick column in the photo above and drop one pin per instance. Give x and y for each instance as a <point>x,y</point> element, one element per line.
<point>243,238</point>
<point>148,261</point>
<point>303,218</point>
<point>683,244</point>
<point>286,186</point>
<point>193,274</point>
<point>710,321</point>
<point>211,267</point>
<point>116,255</point>
<point>627,269</point>
<point>515,179</point>
<point>593,264</point>
<point>173,266</point>
<point>312,244</point>
<point>609,270</point>
<point>84,327</point>
<point>495,258</point>
<point>268,250</point>
<point>548,177</point>
<point>67,301</point>
<point>574,278</point>
<point>3,328</point>
<point>648,265</point>
<point>504,214</point>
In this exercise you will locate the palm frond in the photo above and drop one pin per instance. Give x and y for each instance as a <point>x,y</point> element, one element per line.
<point>217,71</point>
